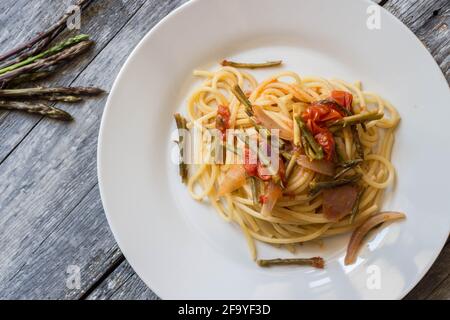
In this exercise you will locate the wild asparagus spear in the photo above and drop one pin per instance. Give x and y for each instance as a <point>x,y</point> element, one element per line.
<point>181,125</point>
<point>356,205</point>
<point>45,36</point>
<point>237,91</point>
<point>316,262</point>
<point>349,163</point>
<point>355,119</point>
<point>316,187</point>
<point>38,108</point>
<point>41,91</point>
<point>255,193</point>
<point>251,65</point>
<point>347,166</point>
<point>59,98</point>
<point>53,60</point>
<point>29,77</point>
<point>312,149</point>
<point>53,50</point>
<point>38,48</point>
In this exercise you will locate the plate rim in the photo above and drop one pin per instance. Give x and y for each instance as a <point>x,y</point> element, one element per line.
<point>171,15</point>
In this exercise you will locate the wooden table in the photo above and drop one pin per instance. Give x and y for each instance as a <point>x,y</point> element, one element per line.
<point>51,217</point>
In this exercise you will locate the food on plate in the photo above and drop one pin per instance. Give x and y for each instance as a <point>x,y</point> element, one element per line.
<point>290,159</point>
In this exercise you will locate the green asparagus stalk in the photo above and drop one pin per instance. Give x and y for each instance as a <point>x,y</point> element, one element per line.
<point>240,95</point>
<point>41,91</point>
<point>312,148</point>
<point>59,98</point>
<point>181,124</point>
<point>251,65</point>
<point>29,77</point>
<point>46,36</point>
<point>316,262</point>
<point>316,187</point>
<point>349,163</point>
<point>255,193</point>
<point>38,108</point>
<point>356,205</point>
<point>357,141</point>
<point>57,48</point>
<point>355,119</point>
<point>68,53</point>
<point>291,165</point>
<point>347,166</point>
<point>237,91</point>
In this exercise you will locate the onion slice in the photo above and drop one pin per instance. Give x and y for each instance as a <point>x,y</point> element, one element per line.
<point>359,234</point>
<point>270,123</point>
<point>233,180</point>
<point>274,192</point>
<point>338,202</point>
<point>320,166</point>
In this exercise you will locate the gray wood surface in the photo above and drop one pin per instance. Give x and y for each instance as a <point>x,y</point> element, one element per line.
<point>51,217</point>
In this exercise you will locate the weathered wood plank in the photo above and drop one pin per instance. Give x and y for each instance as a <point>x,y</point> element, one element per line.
<point>61,190</point>
<point>51,172</point>
<point>423,18</point>
<point>429,20</point>
<point>102,19</point>
<point>25,224</point>
<point>122,284</point>
<point>442,292</point>
<point>433,279</point>
<point>80,241</point>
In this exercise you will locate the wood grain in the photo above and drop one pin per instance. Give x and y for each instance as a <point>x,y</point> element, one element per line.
<point>122,284</point>
<point>55,169</point>
<point>429,20</point>
<point>50,209</point>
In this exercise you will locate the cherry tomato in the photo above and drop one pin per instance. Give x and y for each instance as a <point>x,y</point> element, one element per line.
<point>326,140</point>
<point>223,119</point>
<point>250,167</point>
<point>343,98</point>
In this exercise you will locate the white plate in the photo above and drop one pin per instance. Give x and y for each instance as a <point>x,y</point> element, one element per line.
<point>183,249</point>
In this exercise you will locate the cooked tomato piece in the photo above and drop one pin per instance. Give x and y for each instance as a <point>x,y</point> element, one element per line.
<point>223,119</point>
<point>250,167</point>
<point>262,199</point>
<point>326,140</point>
<point>343,98</point>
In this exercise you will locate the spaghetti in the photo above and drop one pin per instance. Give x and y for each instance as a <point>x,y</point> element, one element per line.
<point>330,132</point>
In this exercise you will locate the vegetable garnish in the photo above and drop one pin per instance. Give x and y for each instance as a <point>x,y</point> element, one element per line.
<point>339,201</point>
<point>316,262</point>
<point>356,205</point>
<point>316,187</point>
<point>355,119</point>
<point>320,166</point>
<point>272,195</point>
<point>317,191</point>
<point>251,65</point>
<point>233,180</point>
<point>38,108</point>
<point>35,60</point>
<point>312,149</point>
<point>342,98</point>
<point>181,125</point>
<point>223,119</point>
<point>359,234</point>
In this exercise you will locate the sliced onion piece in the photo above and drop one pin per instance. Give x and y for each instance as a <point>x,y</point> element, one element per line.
<point>274,193</point>
<point>338,202</point>
<point>320,166</point>
<point>359,234</point>
<point>233,180</point>
<point>270,123</point>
